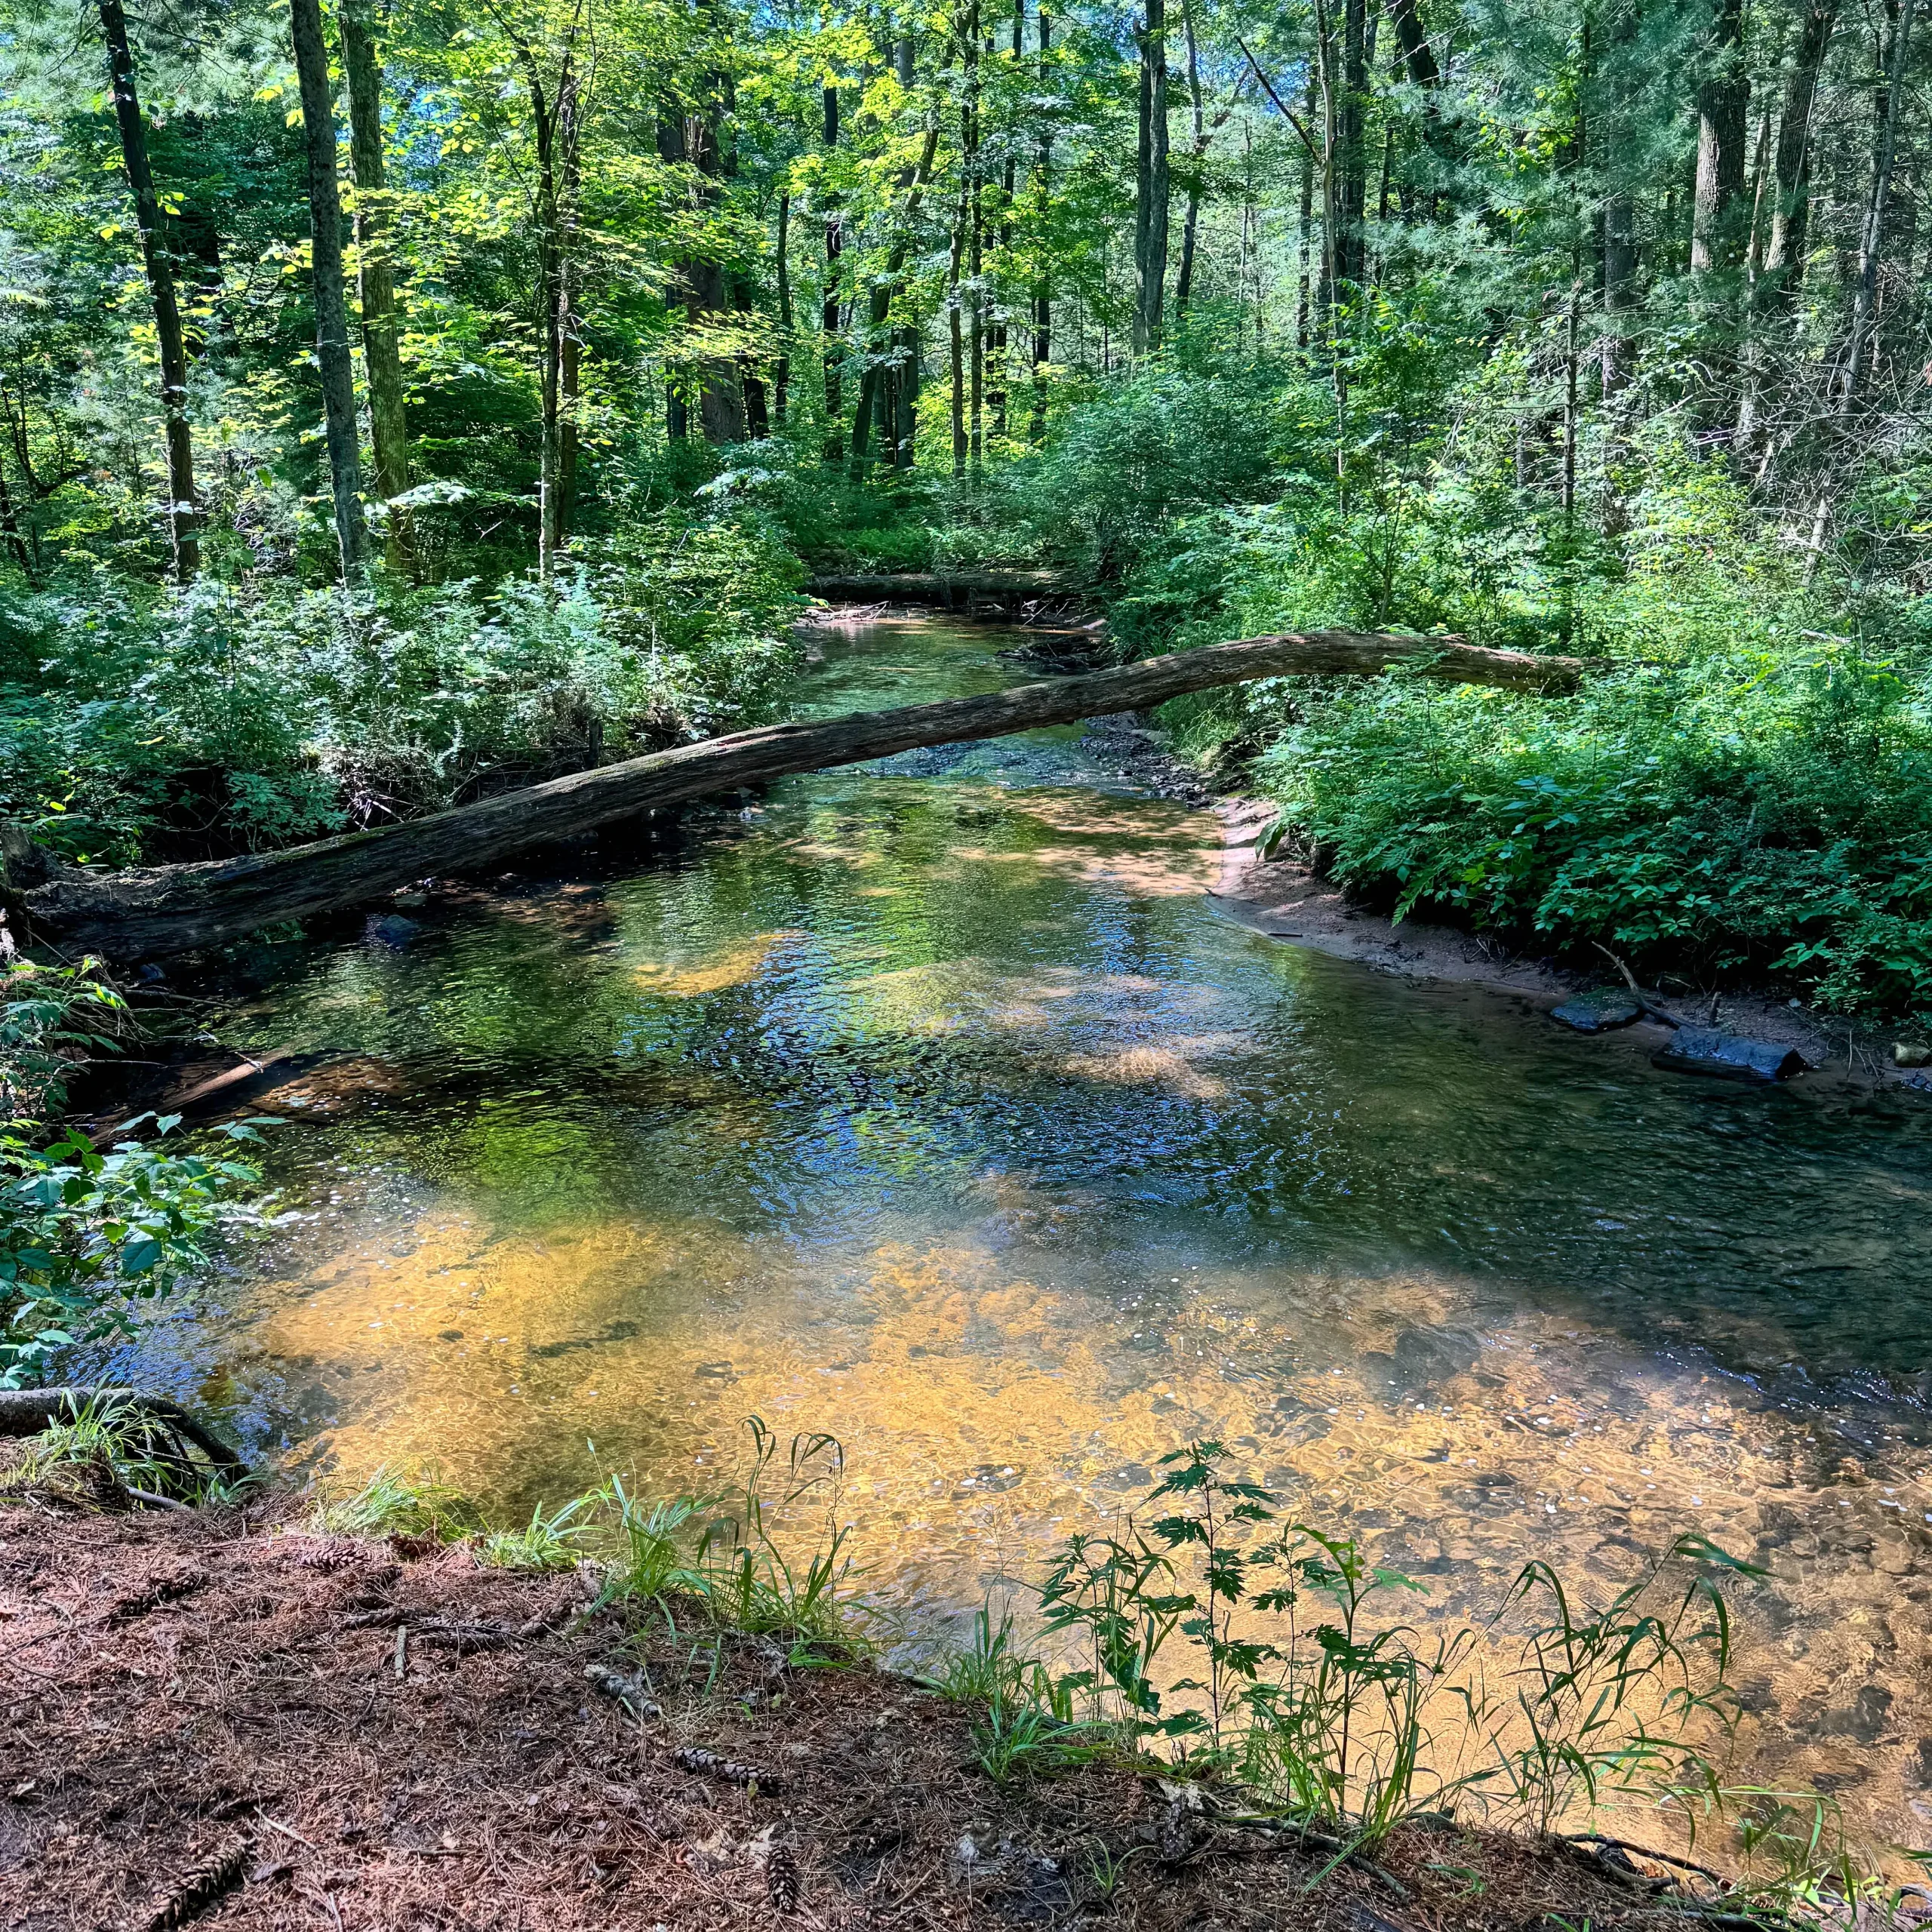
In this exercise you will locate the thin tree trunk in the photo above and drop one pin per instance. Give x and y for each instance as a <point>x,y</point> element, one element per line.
<point>338,374</point>
<point>976,258</point>
<point>1872,243</point>
<point>1151,217</point>
<point>389,424</point>
<point>1190,227</point>
<point>1352,159</point>
<point>1043,301</point>
<point>1304,279</point>
<point>885,292</point>
<point>781,377</point>
<point>955,329</point>
<point>184,516</point>
<point>1723,99</point>
<point>834,349</point>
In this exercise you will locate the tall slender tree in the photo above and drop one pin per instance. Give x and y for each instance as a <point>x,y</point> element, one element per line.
<point>183,507</point>
<point>382,360</point>
<point>332,353</point>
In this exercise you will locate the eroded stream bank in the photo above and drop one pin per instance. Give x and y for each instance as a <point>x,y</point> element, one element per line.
<point>933,1104</point>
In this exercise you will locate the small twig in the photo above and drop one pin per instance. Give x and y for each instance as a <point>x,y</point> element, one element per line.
<point>401,1651</point>
<point>1644,999</point>
<point>1644,1851</point>
<point>159,1502</point>
<point>287,1831</point>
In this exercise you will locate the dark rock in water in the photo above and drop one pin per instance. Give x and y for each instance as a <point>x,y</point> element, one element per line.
<point>1421,1358</point>
<point>1599,1011</point>
<point>1722,1055</point>
<point>390,929</point>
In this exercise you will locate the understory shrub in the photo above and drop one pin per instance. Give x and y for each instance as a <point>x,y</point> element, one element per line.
<point>1738,813</point>
<point>243,716</point>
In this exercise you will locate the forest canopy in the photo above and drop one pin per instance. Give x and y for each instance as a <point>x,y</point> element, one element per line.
<point>404,400</point>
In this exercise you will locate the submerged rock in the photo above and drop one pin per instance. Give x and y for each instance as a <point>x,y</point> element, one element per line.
<point>1721,1056</point>
<point>389,929</point>
<point>1599,1011</point>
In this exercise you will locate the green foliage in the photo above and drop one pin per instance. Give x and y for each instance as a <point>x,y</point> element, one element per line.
<point>549,1541</point>
<point>87,1239</point>
<point>226,717</point>
<point>394,1502</point>
<point>1735,813</point>
<point>53,1019</point>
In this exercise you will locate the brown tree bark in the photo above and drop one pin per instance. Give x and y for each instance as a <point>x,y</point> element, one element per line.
<point>834,349</point>
<point>184,516</point>
<point>177,908</point>
<point>781,375</point>
<point>388,423</point>
<point>1352,154</point>
<point>332,355</point>
<point>1724,101</point>
<point>1791,211</point>
<point>1043,301</point>
<point>1154,192</point>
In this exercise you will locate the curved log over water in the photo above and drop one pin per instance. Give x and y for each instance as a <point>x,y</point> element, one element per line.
<point>174,909</point>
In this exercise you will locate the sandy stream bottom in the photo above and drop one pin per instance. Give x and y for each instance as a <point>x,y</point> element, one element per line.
<point>986,1415</point>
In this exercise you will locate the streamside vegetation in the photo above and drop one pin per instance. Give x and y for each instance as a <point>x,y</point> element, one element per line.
<point>1273,1692</point>
<point>400,404</point>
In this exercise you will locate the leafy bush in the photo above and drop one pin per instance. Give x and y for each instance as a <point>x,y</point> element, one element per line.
<point>1741,812</point>
<point>86,1237</point>
<point>237,717</point>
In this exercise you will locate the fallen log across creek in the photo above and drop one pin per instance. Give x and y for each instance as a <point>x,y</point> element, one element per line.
<point>139,913</point>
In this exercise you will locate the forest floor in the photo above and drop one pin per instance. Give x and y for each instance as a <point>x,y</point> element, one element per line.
<point>231,1719</point>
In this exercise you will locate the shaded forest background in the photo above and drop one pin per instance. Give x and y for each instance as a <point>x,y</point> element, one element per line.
<point>404,401</point>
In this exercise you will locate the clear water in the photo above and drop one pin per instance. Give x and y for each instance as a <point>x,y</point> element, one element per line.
<point>931,1103</point>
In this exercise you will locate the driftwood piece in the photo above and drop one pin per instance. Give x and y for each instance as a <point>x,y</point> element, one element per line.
<point>175,908</point>
<point>28,1411</point>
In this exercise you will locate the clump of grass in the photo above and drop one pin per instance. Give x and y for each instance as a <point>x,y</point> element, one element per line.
<point>395,1502</point>
<point>110,1448</point>
<point>551,1539</point>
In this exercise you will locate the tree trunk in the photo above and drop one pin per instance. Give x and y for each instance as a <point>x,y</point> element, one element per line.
<point>1791,211</point>
<point>184,515</point>
<point>1872,240</point>
<point>781,377</point>
<point>1190,227</point>
<point>177,908</point>
<point>1848,377</point>
<point>388,426</point>
<point>1724,101</point>
<point>1043,301</point>
<point>1351,157</point>
<point>1151,182</point>
<point>834,350</point>
<point>338,374</point>
<point>885,291</point>
<point>955,328</point>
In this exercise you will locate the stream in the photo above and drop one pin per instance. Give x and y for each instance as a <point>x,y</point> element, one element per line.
<point>933,1104</point>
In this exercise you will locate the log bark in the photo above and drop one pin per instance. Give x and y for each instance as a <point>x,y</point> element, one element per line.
<point>953,589</point>
<point>175,908</point>
<point>29,1411</point>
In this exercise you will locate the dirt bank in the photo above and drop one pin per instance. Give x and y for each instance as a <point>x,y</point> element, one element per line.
<point>235,1722</point>
<point>1285,898</point>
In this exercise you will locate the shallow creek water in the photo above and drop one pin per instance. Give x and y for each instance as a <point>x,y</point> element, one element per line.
<point>932,1103</point>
